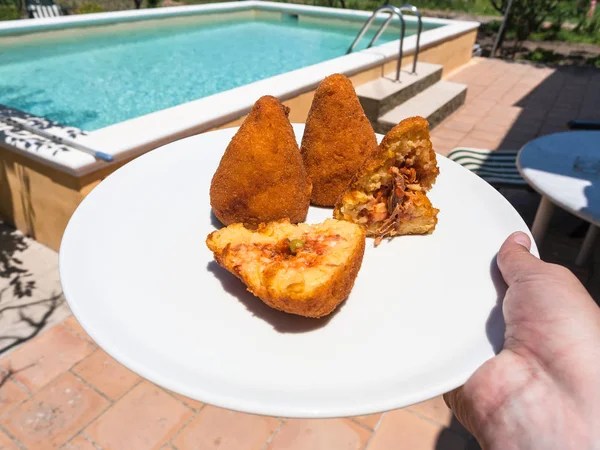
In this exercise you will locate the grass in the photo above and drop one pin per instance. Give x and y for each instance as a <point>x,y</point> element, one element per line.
<point>9,13</point>
<point>566,36</point>
<point>584,35</point>
<point>540,55</point>
<point>89,8</point>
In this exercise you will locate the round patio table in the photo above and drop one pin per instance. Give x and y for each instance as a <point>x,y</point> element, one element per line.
<point>565,169</point>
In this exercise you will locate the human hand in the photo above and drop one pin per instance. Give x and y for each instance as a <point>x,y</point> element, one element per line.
<point>542,391</point>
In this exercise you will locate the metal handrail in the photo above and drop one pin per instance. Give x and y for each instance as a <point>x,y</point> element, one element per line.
<point>381,30</point>
<point>416,12</point>
<point>391,10</point>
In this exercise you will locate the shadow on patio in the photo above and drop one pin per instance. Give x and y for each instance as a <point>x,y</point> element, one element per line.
<point>25,309</point>
<point>511,103</point>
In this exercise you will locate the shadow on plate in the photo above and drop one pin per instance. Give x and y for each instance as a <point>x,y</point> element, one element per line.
<point>495,325</point>
<point>280,321</point>
<point>214,221</point>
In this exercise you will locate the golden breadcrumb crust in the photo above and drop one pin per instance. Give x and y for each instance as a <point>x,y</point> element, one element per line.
<point>261,176</point>
<point>311,282</point>
<point>337,139</point>
<point>412,130</point>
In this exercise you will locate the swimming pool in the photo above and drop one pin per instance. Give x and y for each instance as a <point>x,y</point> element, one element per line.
<point>91,80</point>
<point>135,80</point>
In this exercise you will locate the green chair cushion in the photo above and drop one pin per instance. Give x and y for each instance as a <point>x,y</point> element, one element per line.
<point>495,167</point>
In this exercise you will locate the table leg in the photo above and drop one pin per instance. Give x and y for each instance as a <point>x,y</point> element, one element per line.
<point>587,246</point>
<point>542,220</point>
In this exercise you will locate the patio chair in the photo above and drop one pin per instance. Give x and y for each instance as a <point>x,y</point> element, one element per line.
<point>497,167</point>
<point>583,125</point>
<point>39,9</point>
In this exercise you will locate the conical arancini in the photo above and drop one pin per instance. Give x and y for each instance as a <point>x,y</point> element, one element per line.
<point>261,176</point>
<point>337,139</point>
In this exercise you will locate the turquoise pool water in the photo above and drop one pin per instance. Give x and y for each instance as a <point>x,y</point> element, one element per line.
<point>94,80</point>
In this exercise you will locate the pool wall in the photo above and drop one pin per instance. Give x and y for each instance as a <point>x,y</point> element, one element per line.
<point>452,54</point>
<point>38,194</point>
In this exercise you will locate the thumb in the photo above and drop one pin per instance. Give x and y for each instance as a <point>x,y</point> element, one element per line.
<point>461,408</point>
<point>514,259</point>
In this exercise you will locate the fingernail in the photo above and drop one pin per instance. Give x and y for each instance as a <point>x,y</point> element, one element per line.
<point>522,239</point>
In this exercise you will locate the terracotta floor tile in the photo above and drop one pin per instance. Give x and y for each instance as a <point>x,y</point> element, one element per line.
<point>371,420</point>
<point>10,394</point>
<point>526,129</point>
<point>22,316</point>
<point>226,430</point>
<point>72,324</point>
<point>478,143</point>
<point>459,125</point>
<point>480,106</point>
<point>45,357</point>
<point>444,150</point>
<point>443,146</point>
<point>487,135</point>
<point>79,443</point>
<point>55,413</point>
<point>402,429</point>
<point>504,115</point>
<point>106,374</point>
<point>465,118</point>
<point>7,443</point>
<point>194,404</point>
<point>490,127</point>
<point>320,434</point>
<point>144,419</point>
<point>447,133</point>
<point>436,410</point>
<point>512,144</point>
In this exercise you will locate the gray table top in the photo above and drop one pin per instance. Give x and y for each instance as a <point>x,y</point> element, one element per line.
<point>565,168</point>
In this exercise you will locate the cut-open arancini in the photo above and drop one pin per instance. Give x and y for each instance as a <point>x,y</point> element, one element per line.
<point>388,193</point>
<point>300,269</point>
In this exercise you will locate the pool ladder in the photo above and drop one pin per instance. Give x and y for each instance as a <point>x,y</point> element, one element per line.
<point>392,10</point>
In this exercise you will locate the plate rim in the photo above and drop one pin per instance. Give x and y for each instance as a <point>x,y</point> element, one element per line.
<point>245,405</point>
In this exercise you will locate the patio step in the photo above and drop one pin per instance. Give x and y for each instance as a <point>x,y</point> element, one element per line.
<point>384,94</point>
<point>435,104</point>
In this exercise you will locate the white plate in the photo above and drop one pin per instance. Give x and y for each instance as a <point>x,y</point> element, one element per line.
<point>421,318</point>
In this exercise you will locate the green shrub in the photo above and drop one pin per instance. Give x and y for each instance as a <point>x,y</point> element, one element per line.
<point>9,13</point>
<point>541,55</point>
<point>153,3</point>
<point>595,61</point>
<point>592,26</point>
<point>90,8</point>
<point>490,28</point>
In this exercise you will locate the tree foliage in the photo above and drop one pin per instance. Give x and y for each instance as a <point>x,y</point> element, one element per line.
<point>332,3</point>
<point>526,16</point>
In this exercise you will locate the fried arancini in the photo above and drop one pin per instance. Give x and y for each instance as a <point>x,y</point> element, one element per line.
<point>300,269</point>
<point>261,176</point>
<point>337,139</point>
<point>388,193</point>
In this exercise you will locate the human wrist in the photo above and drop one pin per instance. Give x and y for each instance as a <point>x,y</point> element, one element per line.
<point>502,432</point>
